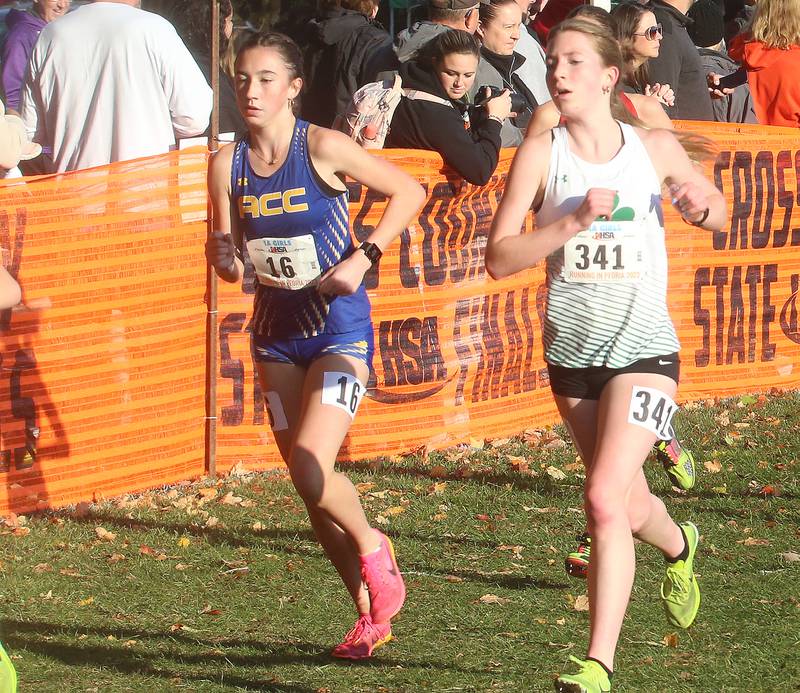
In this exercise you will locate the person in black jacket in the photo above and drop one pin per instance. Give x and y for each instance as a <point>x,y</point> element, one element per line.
<point>468,138</point>
<point>678,62</point>
<point>340,48</point>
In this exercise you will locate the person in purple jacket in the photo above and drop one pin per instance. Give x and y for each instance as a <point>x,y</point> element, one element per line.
<point>23,30</point>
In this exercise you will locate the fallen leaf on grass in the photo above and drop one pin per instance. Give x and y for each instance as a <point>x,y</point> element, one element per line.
<point>181,566</point>
<point>211,522</point>
<point>69,572</point>
<point>86,602</point>
<point>21,531</point>
<point>364,487</point>
<point>438,517</point>
<point>115,558</point>
<point>145,550</point>
<point>581,603</point>
<point>541,511</point>
<point>208,611</point>
<point>258,527</point>
<point>713,466</point>
<point>790,557</point>
<point>752,541</point>
<point>103,534</point>
<point>720,490</point>
<point>671,640</point>
<point>453,578</point>
<point>230,499</point>
<point>555,473</point>
<point>437,488</point>
<point>493,599</point>
<point>394,510</point>
<point>42,568</point>
<point>206,493</point>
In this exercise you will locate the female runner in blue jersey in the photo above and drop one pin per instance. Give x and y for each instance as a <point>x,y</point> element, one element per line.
<point>279,192</point>
<point>610,346</point>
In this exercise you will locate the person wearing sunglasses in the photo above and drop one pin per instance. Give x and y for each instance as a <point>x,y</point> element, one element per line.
<point>639,37</point>
<point>678,61</point>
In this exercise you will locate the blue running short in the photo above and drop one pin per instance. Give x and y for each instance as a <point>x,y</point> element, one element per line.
<point>359,343</point>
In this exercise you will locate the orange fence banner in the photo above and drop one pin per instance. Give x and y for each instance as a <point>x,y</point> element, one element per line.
<point>102,387</point>
<point>458,355</point>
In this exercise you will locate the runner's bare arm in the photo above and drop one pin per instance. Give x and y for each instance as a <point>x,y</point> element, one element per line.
<point>224,243</point>
<point>508,250</point>
<point>334,154</point>
<point>693,195</point>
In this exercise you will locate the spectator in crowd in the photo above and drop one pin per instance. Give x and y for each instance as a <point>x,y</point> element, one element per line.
<point>498,29</point>
<point>467,138</point>
<point>731,105</point>
<point>23,30</point>
<point>639,37</point>
<point>442,15</point>
<point>342,45</point>
<point>110,82</point>
<point>533,71</point>
<point>678,62</point>
<point>646,110</point>
<point>770,52</point>
<point>192,21</point>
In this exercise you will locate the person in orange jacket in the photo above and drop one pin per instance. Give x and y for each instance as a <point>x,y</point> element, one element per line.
<point>770,54</point>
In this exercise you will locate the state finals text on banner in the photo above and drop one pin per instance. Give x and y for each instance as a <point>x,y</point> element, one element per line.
<point>102,385</point>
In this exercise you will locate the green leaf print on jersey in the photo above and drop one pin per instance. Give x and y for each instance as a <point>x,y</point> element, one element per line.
<point>620,213</point>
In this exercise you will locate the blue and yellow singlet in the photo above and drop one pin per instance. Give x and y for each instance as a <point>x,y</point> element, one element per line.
<point>295,227</point>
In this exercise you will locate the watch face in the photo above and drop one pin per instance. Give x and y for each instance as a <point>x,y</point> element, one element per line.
<point>372,252</point>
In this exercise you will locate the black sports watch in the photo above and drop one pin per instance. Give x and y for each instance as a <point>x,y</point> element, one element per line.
<point>372,251</point>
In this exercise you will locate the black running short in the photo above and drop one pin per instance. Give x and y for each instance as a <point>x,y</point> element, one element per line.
<point>588,383</point>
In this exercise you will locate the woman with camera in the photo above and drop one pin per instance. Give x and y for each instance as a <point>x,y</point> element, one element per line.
<point>498,29</point>
<point>438,117</point>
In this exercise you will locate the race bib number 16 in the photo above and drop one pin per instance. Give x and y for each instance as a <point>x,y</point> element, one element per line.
<point>285,263</point>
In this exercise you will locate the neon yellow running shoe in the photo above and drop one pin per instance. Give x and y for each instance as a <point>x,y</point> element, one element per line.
<point>8,675</point>
<point>590,678</point>
<point>678,463</point>
<point>680,593</point>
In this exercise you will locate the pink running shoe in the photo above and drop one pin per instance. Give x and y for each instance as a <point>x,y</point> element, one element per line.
<point>364,638</point>
<point>380,572</point>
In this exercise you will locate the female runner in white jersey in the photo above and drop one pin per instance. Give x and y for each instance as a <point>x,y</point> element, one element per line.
<point>280,192</point>
<point>596,185</point>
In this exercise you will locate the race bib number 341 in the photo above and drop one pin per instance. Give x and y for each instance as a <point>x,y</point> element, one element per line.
<point>285,263</point>
<point>653,410</point>
<point>608,251</point>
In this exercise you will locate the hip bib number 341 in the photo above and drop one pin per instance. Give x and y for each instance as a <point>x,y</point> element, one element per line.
<point>285,263</point>
<point>608,251</point>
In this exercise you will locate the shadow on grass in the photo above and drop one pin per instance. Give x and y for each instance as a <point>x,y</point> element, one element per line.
<point>508,581</point>
<point>540,484</point>
<point>38,637</point>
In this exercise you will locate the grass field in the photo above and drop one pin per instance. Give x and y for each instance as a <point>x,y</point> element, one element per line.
<point>220,586</point>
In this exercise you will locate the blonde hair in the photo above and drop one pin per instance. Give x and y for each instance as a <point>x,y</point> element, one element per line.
<point>697,147</point>
<point>776,23</point>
